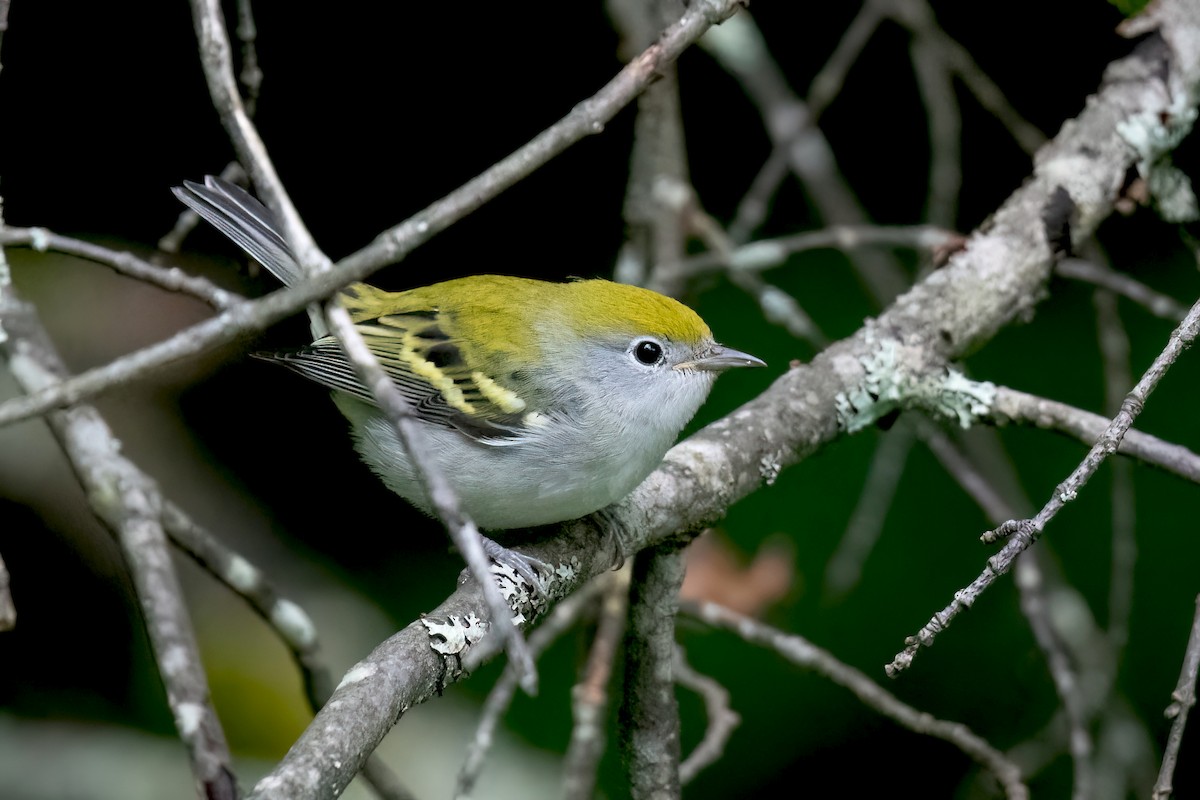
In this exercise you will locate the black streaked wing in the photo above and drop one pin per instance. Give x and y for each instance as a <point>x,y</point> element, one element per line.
<point>426,366</point>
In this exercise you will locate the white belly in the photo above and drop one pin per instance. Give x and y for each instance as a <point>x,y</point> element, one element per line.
<point>538,481</point>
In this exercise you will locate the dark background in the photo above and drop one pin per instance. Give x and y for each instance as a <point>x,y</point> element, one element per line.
<point>372,111</point>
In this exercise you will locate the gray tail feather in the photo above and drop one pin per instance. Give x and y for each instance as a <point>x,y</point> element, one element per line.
<point>247,222</point>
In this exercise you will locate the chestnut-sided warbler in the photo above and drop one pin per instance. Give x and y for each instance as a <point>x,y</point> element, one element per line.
<point>543,401</point>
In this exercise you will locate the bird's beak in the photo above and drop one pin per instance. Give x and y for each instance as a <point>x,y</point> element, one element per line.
<point>721,358</point>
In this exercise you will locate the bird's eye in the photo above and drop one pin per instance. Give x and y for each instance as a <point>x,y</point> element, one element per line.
<point>648,352</point>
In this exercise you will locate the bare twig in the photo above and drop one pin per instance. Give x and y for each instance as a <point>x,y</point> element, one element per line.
<point>769,253</point>
<point>1036,604</point>
<point>964,472</point>
<point>289,621</point>
<point>1157,303</point>
<point>945,130</point>
<point>1023,533</point>
<point>803,653</point>
<point>917,16</point>
<point>866,522</point>
<point>755,205</point>
<point>740,49</point>
<point>172,279</point>
<point>1182,700</point>
<point>563,616</point>
<point>1114,350</point>
<point>589,697</point>
<point>659,192</point>
<point>129,504</point>
<point>827,84</point>
<point>649,712</point>
<point>722,720</point>
<point>250,77</point>
<point>1012,406</point>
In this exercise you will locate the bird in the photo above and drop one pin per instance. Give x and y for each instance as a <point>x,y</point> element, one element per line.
<point>541,401</point>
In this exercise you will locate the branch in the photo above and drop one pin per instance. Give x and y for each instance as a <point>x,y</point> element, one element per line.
<point>129,503</point>
<point>805,654</point>
<point>1022,534</point>
<point>722,720</point>
<point>589,697</point>
<point>1012,406</point>
<point>1182,700</point>
<point>290,622</point>
<point>172,279</point>
<point>649,713</point>
<point>560,619</point>
<point>1157,303</point>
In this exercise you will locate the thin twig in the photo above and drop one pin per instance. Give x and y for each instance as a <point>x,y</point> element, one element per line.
<point>250,76</point>
<point>1114,350</point>
<point>827,84</point>
<point>917,16</point>
<point>1157,303</point>
<point>1067,674</point>
<point>1077,653</point>
<point>172,279</point>
<point>1023,533</point>
<point>659,193</point>
<point>739,47</point>
<point>945,131</point>
<point>589,697</point>
<point>1012,406</point>
<point>289,621</point>
<point>722,720</point>
<point>755,205</point>
<point>803,653</point>
<point>765,254</point>
<point>128,502</point>
<point>866,522</point>
<point>560,619</point>
<point>1182,700</point>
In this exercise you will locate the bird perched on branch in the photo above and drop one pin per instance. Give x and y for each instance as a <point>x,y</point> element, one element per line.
<point>542,401</point>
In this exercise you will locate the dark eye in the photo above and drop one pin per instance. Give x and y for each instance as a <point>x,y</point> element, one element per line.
<point>649,353</point>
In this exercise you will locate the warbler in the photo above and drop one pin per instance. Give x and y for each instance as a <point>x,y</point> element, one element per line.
<point>543,401</point>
